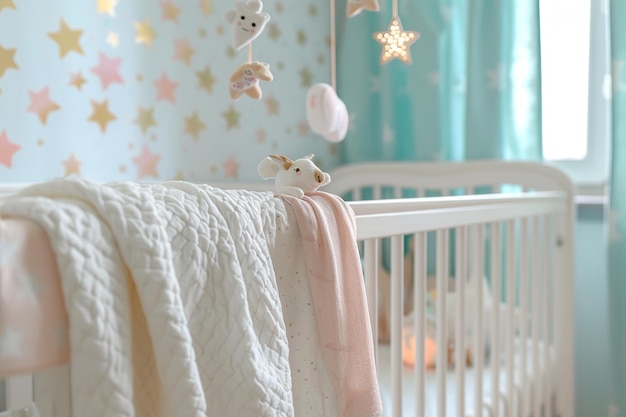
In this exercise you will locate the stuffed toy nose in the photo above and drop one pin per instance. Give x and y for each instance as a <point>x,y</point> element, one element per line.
<point>319,176</point>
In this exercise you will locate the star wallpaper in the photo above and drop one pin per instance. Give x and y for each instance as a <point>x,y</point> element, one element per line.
<point>138,89</point>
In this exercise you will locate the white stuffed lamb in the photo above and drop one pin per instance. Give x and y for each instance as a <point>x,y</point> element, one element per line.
<point>295,178</point>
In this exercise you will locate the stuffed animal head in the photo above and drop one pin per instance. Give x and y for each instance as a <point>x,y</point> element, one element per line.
<point>247,22</point>
<point>294,178</point>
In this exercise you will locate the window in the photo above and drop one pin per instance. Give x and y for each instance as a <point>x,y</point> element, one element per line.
<point>575,77</point>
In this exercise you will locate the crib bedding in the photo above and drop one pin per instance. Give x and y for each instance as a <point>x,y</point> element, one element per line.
<point>310,385</point>
<point>236,362</point>
<point>409,386</point>
<point>33,320</point>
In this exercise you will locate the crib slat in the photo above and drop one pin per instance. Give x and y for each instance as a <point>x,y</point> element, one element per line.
<point>550,310</point>
<point>442,344</point>
<point>356,194</point>
<point>460,349</point>
<point>419,330</point>
<point>371,283</point>
<point>536,306</point>
<point>510,307</point>
<point>19,392</point>
<point>524,279</point>
<point>397,278</point>
<point>479,335</point>
<point>496,264</point>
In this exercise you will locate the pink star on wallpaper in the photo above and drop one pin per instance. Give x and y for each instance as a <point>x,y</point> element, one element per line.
<point>230,168</point>
<point>183,51</point>
<point>147,163</point>
<point>41,104</point>
<point>303,128</point>
<point>72,165</point>
<point>260,135</point>
<point>165,88</point>
<point>7,149</point>
<point>108,70</point>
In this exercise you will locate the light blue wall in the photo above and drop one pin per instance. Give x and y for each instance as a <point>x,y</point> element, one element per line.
<point>591,314</point>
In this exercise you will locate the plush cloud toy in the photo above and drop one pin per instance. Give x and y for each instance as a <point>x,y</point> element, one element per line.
<point>326,112</point>
<point>247,22</point>
<point>295,178</point>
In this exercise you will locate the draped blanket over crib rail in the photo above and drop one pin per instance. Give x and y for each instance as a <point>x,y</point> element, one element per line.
<point>171,297</point>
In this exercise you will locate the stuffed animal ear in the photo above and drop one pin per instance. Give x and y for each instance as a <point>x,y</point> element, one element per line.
<point>285,161</point>
<point>309,156</point>
<point>268,167</point>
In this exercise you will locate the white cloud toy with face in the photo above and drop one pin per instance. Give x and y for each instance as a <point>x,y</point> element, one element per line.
<point>247,22</point>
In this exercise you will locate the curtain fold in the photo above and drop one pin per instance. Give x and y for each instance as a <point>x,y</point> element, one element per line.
<point>617,214</point>
<point>472,92</point>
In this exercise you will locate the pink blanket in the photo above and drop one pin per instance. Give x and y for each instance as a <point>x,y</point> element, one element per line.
<point>328,230</point>
<point>33,319</point>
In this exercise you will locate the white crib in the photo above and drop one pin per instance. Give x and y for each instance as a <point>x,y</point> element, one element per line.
<point>519,229</point>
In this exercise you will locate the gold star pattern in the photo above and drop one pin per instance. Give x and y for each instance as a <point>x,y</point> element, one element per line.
<point>206,6</point>
<point>145,118</point>
<point>301,37</point>
<point>230,52</point>
<point>67,39</point>
<point>101,114</point>
<point>7,60</point>
<point>312,10</point>
<point>272,105</point>
<point>220,30</point>
<point>179,176</point>
<point>145,33</point>
<point>274,32</point>
<point>396,42</point>
<point>107,6</point>
<point>232,118</point>
<point>306,78</point>
<point>40,142</point>
<point>113,39</point>
<point>183,51</point>
<point>193,125</point>
<point>6,4</point>
<point>206,80</point>
<point>77,80</point>
<point>170,11</point>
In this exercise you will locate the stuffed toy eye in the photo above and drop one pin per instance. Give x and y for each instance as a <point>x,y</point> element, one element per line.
<point>253,24</point>
<point>243,18</point>
<point>297,169</point>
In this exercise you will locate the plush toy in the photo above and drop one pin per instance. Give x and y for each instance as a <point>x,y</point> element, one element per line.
<point>326,112</point>
<point>294,178</point>
<point>246,78</point>
<point>247,22</point>
<point>355,6</point>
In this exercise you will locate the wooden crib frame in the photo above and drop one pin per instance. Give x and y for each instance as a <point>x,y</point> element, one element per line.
<point>538,223</point>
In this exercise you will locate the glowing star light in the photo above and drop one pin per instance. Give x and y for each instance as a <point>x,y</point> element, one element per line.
<point>396,42</point>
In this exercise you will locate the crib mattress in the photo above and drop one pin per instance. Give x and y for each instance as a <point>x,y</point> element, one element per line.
<point>33,320</point>
<point>409,387</point>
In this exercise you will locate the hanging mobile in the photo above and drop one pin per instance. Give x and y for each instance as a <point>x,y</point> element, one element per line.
<point>395,40</point>
<point>247,21</point>
<point>326,113</point>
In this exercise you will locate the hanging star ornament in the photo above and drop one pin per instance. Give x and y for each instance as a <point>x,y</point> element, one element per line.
<point>355,7</point>
<point>396,42</point>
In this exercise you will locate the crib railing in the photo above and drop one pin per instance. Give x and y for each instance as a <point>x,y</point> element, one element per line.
<point>524,244</point>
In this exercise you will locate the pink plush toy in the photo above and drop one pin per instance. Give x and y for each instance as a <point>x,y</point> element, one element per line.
<point>295,178</point>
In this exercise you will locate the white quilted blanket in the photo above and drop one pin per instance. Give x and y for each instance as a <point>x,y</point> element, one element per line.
<point>171,296</point>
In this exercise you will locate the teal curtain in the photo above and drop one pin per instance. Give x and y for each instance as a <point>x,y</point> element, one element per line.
<point>617,216</point>
<point>472,91</point>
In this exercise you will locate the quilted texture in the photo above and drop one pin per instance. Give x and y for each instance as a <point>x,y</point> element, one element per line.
<point>171,297</point>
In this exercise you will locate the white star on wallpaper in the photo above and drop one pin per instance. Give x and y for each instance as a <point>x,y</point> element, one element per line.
<point>495,77</point>
<point>374,84</point>
<point>614,226</point>
<point>389,135</point>
<point>10,344</point>
<point>352,122</point>
<point>618,83</point>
